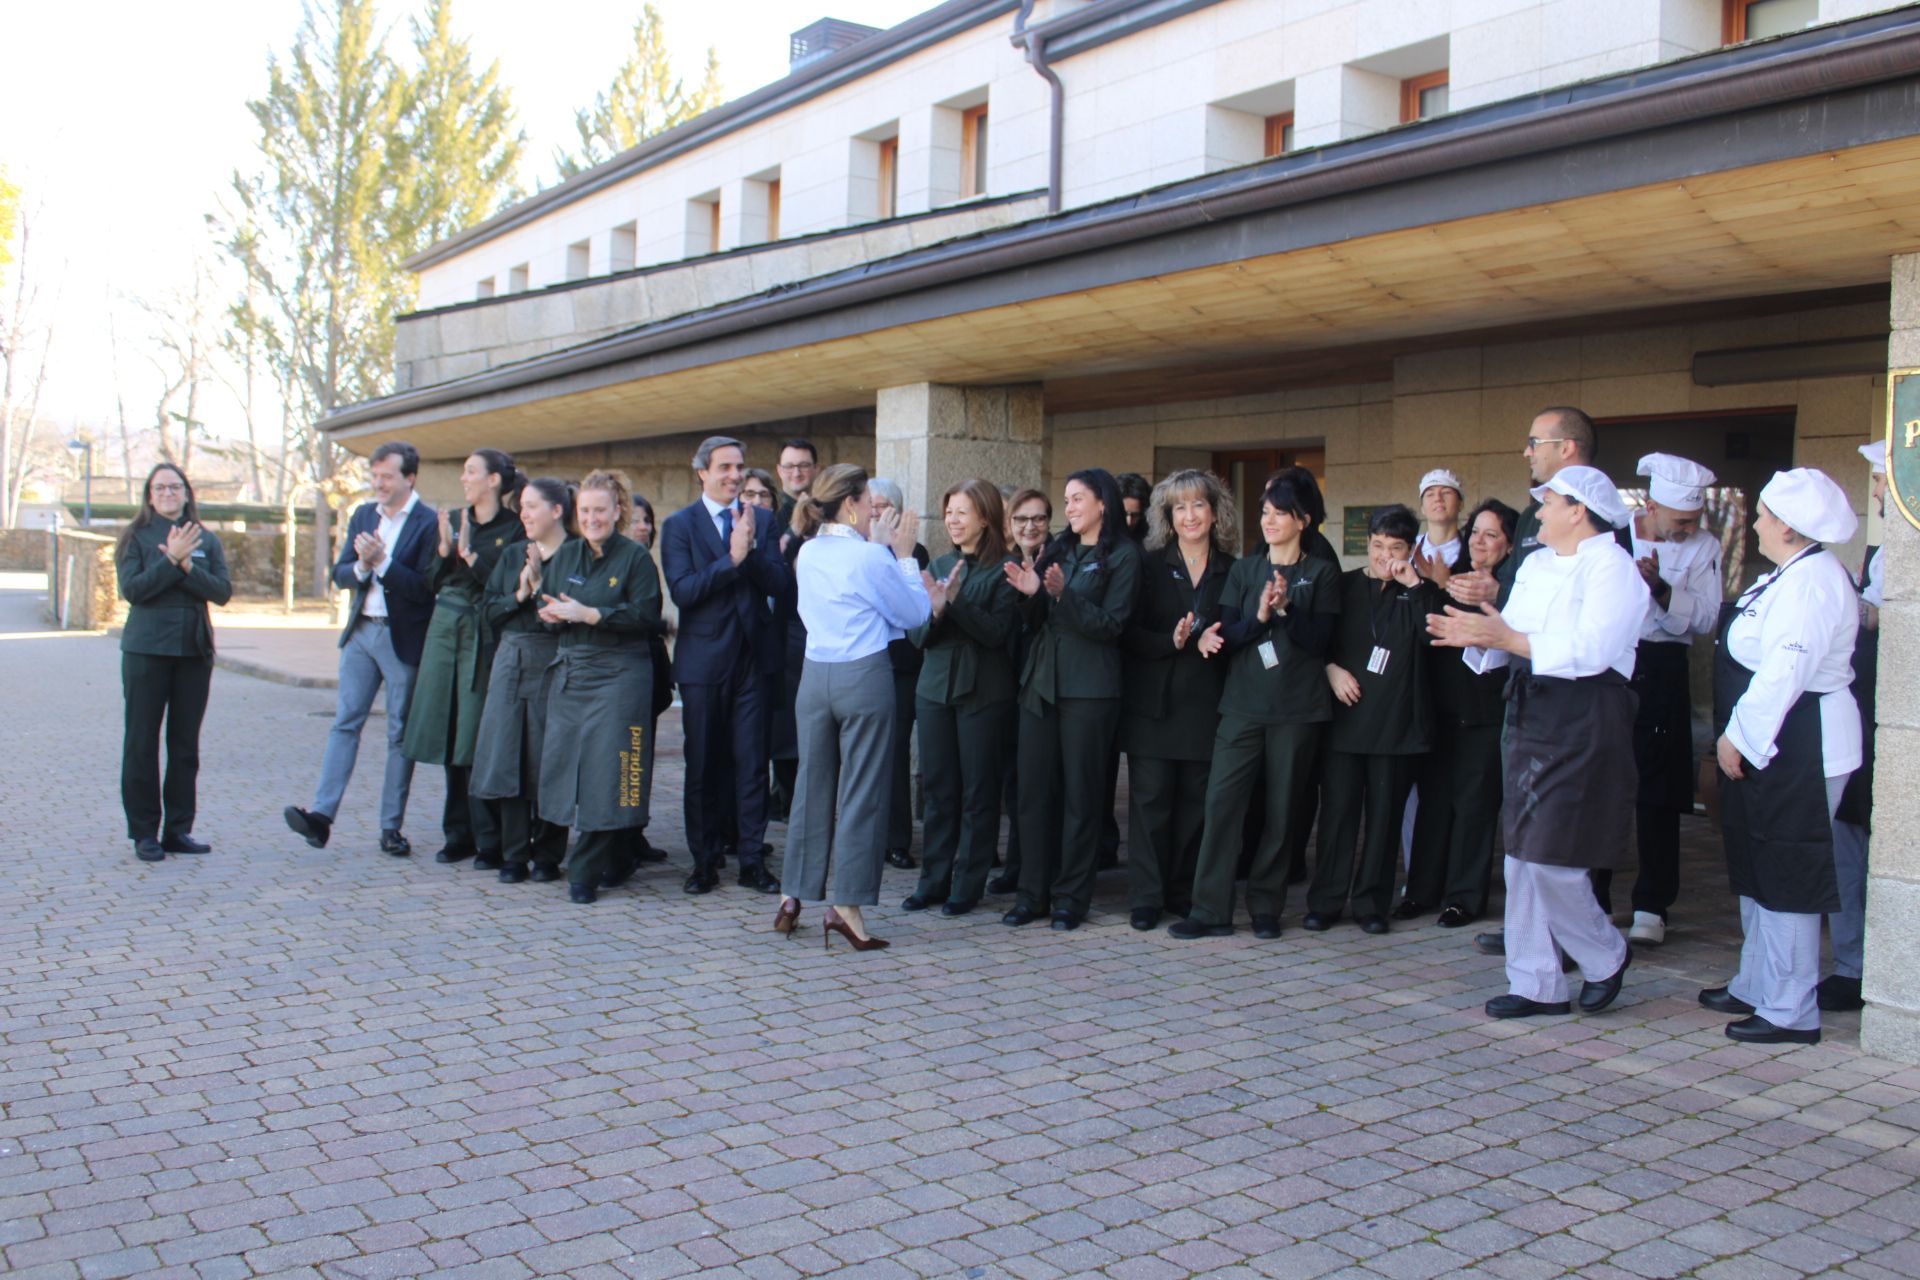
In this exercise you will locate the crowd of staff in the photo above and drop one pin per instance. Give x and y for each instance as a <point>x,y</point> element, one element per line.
<point>1514,679</point>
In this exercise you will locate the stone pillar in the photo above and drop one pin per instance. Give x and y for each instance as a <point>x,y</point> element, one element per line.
<point>929,436</point>
<point>1890,1027</point>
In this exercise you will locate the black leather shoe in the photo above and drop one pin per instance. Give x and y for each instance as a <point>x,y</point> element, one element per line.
<point>614,879</point>
<point>899,858</point>
<point>1410,909</point>
<point>1490,944</point>
<point>1198,929</point>
<point>701,881</point>
<point>396,844</point>
<point>1721,1000</point>
<point>455,853</point>
<point>314,828</point>
<point>1317,923</point>
<point>1065,921</point>
<point>1757,1030</point>
<point>1266,926</point>
<point>147,849</point>
<point>759,879</point>
<point>184,844</point>
<point>1144,918</point>
<point>1019,916</point>
<point>1002,884</point>
<point>582,893</point>
<point>1595,996</point>
<point>1454,917</point>
<point>1373,924</point>
<point>545,873</point>
<point>1836,994</point>
<point>514,873</point>
<point>914,902</point>
<point>957,908</point>
<point>1512,1006</point>
<point>489,862</point>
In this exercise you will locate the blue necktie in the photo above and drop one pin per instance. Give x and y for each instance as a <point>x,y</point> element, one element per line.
<point>726,525</point>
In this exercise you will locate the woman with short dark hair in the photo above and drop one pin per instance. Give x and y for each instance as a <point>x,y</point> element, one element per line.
<point>170,569</point>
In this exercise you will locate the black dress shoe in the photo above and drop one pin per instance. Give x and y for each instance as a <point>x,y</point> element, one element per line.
<point>582,893</point>
<point>645,852</point>
<point>1757,1030</point>
<point>1721,1000</point>
<point>914,902</point>
<point>1144,918</point>
<point>1595,996</point>
<point>396,844</point>
<point>1410,909</point>
<point>1266,926</point>
<point>1373,924</point>
<point>455,853</point>
<point>899,858</point>
<point>1490,944</point>
<point>1836,994</point>
<point>147,849</point>
<point>1198,929</point>
<point>759,879</point>
<point>1317,923</point>
<point>489,862</point>
<point>184,844</point>
<point>514,873</point>
<point>314,828</point>
<point>1002,884</point>
<point>701,881</point>
<point>957,908</point>
<point>1454,917</point>
<point>1512,1006</point>
<point>545,873</point>
<point>614,879</point>
<point>1065,921</point>
<point>1019,916</point>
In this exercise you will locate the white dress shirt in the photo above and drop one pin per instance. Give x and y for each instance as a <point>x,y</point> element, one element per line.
<point>1442,553</point>
<point>1795,632</point>
<point>375,605</point>
<point>855,597</point>
<point>1580,613</point>
<point>1691,567</point>
<point>713,513</point>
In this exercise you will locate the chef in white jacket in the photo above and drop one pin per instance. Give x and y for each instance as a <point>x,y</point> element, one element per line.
<point>1789,737</point>
<point>1569,629</point>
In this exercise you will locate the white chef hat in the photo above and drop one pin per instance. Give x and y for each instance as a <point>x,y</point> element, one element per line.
<point>1440,475</point>
<point>1675,481</point>
<point>1876,456</point>
<point>1811,504</point>
<point>1590,486</point>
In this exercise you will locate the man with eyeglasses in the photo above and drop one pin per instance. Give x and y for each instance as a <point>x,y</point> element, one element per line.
<point>799,460</point>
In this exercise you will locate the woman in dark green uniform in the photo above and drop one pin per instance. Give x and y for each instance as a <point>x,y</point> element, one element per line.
<point>444,716</point>
<point>1382,723</point>
<point>964,699</point>
<point>1277,616</point>
<point>1078,599</point>
<point>602,593</point>
<point>643,529</point>
<point>170,569</point>
<point>1029,528</point>
<point>506,751</point>
<point>1172,711</point>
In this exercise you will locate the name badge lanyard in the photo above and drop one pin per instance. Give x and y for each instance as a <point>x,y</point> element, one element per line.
<point>1377,660</point>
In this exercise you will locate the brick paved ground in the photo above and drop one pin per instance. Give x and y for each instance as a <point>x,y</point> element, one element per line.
<point>275,1060</point>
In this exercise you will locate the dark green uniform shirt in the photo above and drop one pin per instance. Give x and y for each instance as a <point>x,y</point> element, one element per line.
<point>621,582</point>
<point>451,574</point>
<point>1172,708</point>
<point>968,662</point>
<point>503,612</point>
<point>1294,690</point>
<point>1076,643</point>
<point>1394,716</point>
<point>167,605</point>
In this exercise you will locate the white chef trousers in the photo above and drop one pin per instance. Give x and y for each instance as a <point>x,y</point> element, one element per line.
<point>1780,955</point>
<point>1550,909</point>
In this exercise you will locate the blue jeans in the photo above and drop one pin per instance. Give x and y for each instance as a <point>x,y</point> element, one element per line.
<point>1848,925</point>
<point>366,660</point>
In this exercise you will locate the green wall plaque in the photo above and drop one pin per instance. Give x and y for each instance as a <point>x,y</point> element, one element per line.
<point>1903,441</point>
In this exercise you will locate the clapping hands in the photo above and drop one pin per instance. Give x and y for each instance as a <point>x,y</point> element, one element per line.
<point>182,541</point>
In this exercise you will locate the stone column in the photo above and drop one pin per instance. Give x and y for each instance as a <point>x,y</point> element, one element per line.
<point>1890,1026</point>
<point>929,436</point>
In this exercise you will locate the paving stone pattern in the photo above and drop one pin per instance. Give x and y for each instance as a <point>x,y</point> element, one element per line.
<point>273,1060</point>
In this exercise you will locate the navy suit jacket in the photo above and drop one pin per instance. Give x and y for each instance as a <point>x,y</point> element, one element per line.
<point>409,598</point>
<point>723,606</point>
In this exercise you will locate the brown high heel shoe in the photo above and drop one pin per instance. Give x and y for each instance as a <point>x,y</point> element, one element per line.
<point>787,917</point>
<point>832,924</point>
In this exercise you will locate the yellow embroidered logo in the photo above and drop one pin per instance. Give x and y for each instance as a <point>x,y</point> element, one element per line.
<point>613,582</point>
<point>500,542</point>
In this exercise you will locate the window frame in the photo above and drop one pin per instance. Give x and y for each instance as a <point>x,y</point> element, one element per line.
<point>973,157</point>
<point>1276,127</point>
<point>888,204</point>
<point>1413,86</point>
<point>1733,20</point>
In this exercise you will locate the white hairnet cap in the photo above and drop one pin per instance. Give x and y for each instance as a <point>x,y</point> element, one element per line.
<point>1440,475</point>
<point>1590,486</point>
<point>1676,482</point>
<point>1876,456</point>
<point>1811,504</point>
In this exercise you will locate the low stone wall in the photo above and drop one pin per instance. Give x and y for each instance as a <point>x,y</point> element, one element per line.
<point>23,550</point>
<point>256,561</point>
<point>82,592</point>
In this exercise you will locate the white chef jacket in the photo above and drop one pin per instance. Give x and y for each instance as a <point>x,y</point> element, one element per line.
<point>1876,591</point>
<point>1691,567</point>
<point>1444,553</point>
<point>1581,613</point>
<point>1797,636</point>
<point>855,596</point>
<point>374,604</point>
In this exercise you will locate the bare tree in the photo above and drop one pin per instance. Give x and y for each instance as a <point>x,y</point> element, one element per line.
<point>120,398</point>
<point>26,338</point>
<point>185,340</point>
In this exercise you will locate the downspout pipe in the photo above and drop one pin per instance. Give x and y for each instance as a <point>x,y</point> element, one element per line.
<point>1036,51</point>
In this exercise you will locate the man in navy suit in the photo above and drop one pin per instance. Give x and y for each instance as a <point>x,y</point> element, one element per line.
<point>384,561</point>
<point>724,571</point>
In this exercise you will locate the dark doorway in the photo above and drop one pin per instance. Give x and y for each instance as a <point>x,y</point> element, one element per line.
<point>1246,472</point>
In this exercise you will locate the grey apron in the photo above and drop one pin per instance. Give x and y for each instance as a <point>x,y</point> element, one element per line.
<point>514,718</point>
<point>598,755</point>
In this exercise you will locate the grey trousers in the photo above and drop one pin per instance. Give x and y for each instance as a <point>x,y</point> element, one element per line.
<point>1780,955</point>
<point>366,661</point>
<point>845,719</point>
<point>1848,925</point>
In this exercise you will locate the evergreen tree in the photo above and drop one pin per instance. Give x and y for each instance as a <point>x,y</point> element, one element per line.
<point>9,216</point>
<point>645,98</point>
<point>463,150</point>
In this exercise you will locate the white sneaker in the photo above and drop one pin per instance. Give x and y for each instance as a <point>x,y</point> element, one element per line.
<point>1648,929</point>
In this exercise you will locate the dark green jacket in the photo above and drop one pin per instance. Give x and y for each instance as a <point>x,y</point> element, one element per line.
<point>502,611</point>
<point>967,661</point>
<point>1294,690</point>
<point>1172,708</point>
<point>621,582</point>
<point>1076,643</point>
<point>1394,716</point>
<point>451,574</point>
<point>167,605</point>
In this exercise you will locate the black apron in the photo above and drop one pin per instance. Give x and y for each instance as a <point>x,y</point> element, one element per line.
<point>1663,727</point>
<point>1570,778</point>
<point>515,713</point>
<point>1856,802</point>
<point>1774,821</point>
<point>598,755</point>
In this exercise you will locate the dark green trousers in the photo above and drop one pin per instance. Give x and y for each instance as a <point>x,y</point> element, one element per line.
<point>1166,806</point>
<point>171,692</point>
<point>1359,786</point>
<point>1246,755</point>
<point>1460,792</point>
<point>596,854</point>
<point>525,838</point>
<point>1063,789</point>
<point>960,771</point>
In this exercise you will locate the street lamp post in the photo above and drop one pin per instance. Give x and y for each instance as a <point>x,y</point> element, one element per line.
<point>78,448</point>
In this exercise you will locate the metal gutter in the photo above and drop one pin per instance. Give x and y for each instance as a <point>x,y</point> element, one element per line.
<point>1854,55</point>
<point>1036,51</point>
<point>1105,21</point>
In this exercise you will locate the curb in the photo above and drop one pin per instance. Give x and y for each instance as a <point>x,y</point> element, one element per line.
<point>261,671</point>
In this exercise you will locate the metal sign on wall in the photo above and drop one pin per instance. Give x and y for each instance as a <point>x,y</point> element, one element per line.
<point>1903,441</point>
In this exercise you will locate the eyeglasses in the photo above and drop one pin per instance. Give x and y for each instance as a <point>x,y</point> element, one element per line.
<point>794,466</point>
<point>169,488</point>
<point>1030,519</point>
<point>1534,442</point>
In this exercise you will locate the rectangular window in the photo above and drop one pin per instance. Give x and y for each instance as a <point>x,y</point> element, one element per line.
<point>713,227</point>
<point>889,177</point>
<point>1423,97</point>
<point>703,226</point>
<point>1758,19</point>
<point>773,210</point>
<point>517,279</point>
<point>1280,134</point>
<point>973,151</point>
<point>484,289</point>
<point>579,259</point>
<point>624,248</point>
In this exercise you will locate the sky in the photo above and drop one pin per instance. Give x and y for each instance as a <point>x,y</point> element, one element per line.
<point>123,121</point>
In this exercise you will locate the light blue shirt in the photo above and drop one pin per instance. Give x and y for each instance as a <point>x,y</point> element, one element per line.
<point>855,597</point>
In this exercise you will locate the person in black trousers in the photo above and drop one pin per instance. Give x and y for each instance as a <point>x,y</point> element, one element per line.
<point>1029,525</point>
<point>1172,709</point>
<point>170,569</point>
<point>906,658</point>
